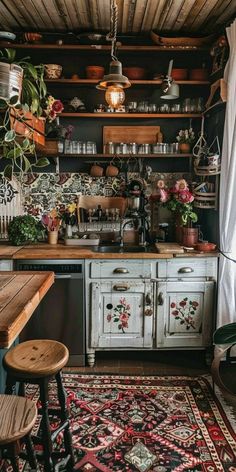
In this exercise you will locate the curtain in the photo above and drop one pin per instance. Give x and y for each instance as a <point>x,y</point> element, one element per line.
<point>226,310</point>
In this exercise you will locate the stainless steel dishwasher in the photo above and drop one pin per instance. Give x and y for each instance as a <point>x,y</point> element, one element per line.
<point>60,314</point>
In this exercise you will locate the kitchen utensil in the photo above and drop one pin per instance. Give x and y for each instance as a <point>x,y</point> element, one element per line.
<point>7,36</point>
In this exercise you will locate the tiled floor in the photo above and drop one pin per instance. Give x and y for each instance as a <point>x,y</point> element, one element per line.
<point>148,363</point>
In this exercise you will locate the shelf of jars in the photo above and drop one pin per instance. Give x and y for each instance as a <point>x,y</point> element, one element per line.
<point>129,115</point>
<point>120,156</point>
<point>133,82</point>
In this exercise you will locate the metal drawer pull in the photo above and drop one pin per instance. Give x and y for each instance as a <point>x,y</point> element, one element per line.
<point>148,299</point>
<point>121,288</point>
<point>160,299</point>
<point>148,312</point>
<point>121,270</point>
<point>185,270</point>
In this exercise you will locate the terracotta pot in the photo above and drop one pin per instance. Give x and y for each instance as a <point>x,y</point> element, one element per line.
<point>94,72</point>
<point>112,171</point>
<point>189,236</point>
<point>198,74</point>
<point>179,74</point>
<point>96,171</point>
<point>52,237</point>
<point>205,246</point>
<point>185,148</point>
<point>134,73</point>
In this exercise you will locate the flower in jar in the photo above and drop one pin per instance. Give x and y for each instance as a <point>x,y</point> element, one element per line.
<point>181,185</point>
<point>185,196</point>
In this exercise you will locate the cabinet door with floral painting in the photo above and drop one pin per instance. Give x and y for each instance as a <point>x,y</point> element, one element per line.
<point>184,314</point>
<point>122,314</point>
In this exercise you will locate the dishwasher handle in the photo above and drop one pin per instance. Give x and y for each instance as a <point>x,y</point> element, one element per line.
<point>63,276</point>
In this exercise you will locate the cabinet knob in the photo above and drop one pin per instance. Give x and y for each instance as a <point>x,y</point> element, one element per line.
<point>121,270</point>
<point>185,270</point>
<point>160,299</point>
<point>121,288</point>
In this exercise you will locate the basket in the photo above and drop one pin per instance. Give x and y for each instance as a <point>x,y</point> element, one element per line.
<point>205,200</point>
<point>207,170</point>
<point>182,41</point>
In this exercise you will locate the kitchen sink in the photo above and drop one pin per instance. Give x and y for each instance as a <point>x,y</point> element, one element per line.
<point>118,249</point>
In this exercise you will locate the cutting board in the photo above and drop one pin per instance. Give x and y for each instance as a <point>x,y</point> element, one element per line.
<point>169,248</point>
<point>130,134</point>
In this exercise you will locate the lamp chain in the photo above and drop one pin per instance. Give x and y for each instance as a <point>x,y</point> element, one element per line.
<point>111,36</point>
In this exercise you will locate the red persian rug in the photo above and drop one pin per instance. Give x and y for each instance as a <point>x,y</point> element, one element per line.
<point>146,423</point>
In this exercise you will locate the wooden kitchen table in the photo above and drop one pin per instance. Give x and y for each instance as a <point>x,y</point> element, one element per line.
<point>20,294</point>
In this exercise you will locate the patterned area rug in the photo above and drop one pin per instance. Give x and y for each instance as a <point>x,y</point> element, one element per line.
<point>155,424</point>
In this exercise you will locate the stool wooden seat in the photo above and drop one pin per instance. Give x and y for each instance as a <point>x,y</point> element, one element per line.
<point>17,418</point>
<point>37,362</point>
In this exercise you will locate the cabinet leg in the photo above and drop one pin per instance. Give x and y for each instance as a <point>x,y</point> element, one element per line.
<point>91,359</point>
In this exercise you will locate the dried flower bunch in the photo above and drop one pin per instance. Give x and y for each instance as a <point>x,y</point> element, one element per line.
<point>186,136</point>
<point>178,199</point>
<point>52,220</point>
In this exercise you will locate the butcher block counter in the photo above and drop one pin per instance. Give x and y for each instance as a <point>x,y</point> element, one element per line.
<point>60,251</point>
<point>20,294</point>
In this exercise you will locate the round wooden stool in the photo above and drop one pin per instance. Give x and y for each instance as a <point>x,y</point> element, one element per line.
<point>37,362</point>
<point>17,418</point>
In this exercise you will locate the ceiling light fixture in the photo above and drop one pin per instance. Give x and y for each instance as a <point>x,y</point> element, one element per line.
<point>169,87</point>
<point>115,82</point>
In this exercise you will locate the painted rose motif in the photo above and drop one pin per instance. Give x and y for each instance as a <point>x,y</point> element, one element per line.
<point>120,314</point>
<point>184,311</point>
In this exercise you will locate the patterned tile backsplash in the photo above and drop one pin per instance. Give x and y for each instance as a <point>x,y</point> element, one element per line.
<point>38,193</point>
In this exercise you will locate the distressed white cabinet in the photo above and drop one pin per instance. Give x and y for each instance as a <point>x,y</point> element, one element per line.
<point>119,305</point>
<point>150,304</point>
<point>122,313</point>
<point>184,314</point>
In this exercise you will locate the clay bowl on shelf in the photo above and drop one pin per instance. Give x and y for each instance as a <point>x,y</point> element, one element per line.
<point>205,247</point>
<point>53,71</point>
<point>179,74</point>
<point>94,72</point>
<point>198,74</point>
<point>134,73</point>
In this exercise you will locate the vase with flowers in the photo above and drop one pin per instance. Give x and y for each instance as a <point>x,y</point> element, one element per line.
<point>51,221</point>
<point>185,138</point>
<point>179,200</point>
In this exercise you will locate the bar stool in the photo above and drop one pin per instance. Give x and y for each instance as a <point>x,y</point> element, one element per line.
<point>38,362</point>
<point>17,417</point>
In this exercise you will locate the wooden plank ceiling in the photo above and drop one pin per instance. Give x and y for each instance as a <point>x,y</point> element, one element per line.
<point>135,16</point>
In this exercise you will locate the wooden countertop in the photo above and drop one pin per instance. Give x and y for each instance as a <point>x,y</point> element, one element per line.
<point>60,251</point>
<point>20,294</point>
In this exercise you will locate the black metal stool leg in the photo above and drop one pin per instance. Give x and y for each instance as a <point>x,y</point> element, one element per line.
<point>65,417</point>
<point>13,457</point>
<point>10,388</point>
<point>46,433</point>
<point>31,456</point>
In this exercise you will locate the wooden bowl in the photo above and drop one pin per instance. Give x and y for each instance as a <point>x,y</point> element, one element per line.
<point>134,73</point>
<point>94,72</point>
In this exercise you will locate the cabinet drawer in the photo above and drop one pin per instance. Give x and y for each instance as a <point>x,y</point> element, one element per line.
<point>187,267</point>
<point>120,269</point>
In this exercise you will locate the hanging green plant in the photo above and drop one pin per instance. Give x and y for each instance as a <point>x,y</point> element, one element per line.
<point>20,111</point>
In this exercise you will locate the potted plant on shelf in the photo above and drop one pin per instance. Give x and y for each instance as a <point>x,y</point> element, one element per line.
<point>23,101</point>
<point>185,138</point>
<point>179,200</point>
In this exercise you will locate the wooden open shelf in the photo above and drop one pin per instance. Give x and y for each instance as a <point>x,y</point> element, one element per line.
<point>104,47</point>
<point>133,82</point>
<point>121,156</point>
<point>130,115</point>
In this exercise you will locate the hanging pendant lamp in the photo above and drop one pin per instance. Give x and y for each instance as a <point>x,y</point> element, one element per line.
<point>114,82</point>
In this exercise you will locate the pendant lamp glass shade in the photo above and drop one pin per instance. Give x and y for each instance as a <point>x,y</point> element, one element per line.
<point>114,96</point>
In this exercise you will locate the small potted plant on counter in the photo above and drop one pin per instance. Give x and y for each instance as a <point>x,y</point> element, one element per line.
<point>185,138</point>
<point>25,229</point>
